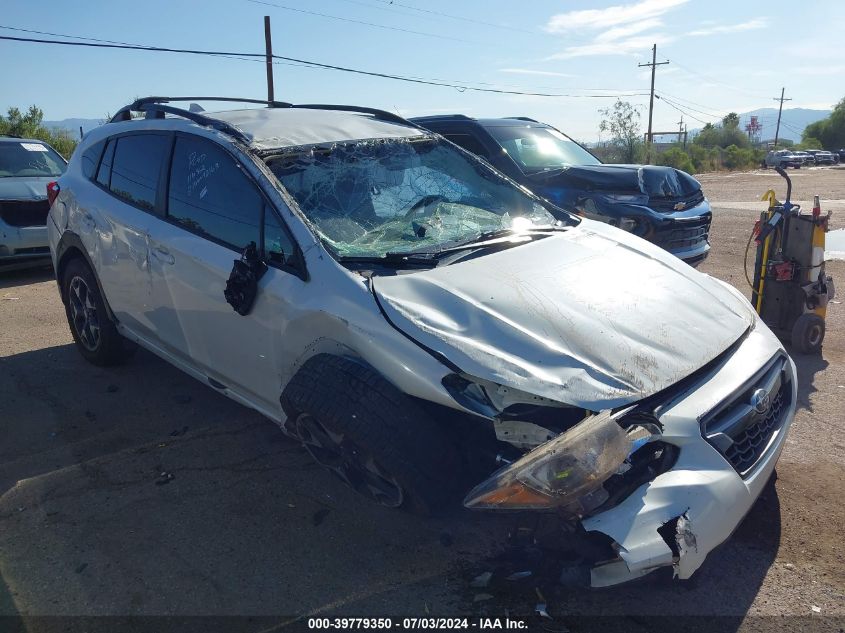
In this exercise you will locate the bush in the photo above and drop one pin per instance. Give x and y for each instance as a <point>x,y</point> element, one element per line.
<point>677,158</point>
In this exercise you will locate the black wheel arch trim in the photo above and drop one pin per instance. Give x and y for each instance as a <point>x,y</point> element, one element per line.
<point>69,245</point>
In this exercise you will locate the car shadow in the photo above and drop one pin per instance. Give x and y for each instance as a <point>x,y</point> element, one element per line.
<point>146,488</point>
<point>807,366</point>
<point>16,278</point>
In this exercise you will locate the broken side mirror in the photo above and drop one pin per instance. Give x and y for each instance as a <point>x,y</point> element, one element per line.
<point>242,285</point>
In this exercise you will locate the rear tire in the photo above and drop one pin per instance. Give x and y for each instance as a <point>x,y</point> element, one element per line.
<point>371,435</point>
<point>94,333</point>
<point>808,333</point>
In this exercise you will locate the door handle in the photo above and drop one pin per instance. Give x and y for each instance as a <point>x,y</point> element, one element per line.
<point>162,255</point>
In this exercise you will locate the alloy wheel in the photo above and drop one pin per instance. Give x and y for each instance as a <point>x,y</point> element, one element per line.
<point>348,462</point>
<point>83,313</point>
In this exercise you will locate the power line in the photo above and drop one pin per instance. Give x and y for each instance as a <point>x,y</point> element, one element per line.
<point>391,4</point>
<point>354,21</point>
<point>677,107</point>
<point>687,101</point>
<point>716,81</point>
<point>312,64</point>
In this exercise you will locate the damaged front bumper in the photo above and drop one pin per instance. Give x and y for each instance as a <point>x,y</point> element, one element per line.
<point>684,513</point>
<point>670,479</point>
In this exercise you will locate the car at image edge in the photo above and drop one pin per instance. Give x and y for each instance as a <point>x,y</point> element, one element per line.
<point>660,204</point>
<point>416,319</point>
<point>26,166</point>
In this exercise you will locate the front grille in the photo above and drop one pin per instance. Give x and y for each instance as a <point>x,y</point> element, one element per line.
<point>742,433</point>
<point>749,445</point>
<point>24,212</point>
<point>687,237</point>
<point>667,205</point>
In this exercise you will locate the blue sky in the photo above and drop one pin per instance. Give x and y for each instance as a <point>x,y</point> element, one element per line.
<point>726,56</point>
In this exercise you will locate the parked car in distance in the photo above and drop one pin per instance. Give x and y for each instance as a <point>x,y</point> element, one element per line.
<point>783,158</point>
<point>822,157</point>
<point>416,319</point>
<point>660,204</point>
<point>26,166</point>
<point>806,157</point>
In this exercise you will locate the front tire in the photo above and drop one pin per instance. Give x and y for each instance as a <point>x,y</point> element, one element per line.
<point>372,436</point>
<point>94,333</point>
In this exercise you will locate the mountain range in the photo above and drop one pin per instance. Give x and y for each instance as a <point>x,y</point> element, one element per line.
<point>792,122</point>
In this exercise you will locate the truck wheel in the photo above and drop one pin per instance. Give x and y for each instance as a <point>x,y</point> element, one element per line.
<point>373,437</point>
<point>95,334</point>
<point>808,333</point>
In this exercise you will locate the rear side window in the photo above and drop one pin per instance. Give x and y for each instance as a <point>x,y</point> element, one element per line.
<point>136,168</point>
<point>210,195</point>
<point>90,158</point>
<point>104,173</point>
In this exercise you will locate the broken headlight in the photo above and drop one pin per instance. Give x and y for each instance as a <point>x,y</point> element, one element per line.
<point>567,472</point>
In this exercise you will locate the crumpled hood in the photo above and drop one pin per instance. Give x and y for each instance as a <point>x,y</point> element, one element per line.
<point>593,316</point>
<point>652,180</point>
<point>25,188</point>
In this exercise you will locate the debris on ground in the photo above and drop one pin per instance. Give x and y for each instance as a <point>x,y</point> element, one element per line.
<point>482,580</point>
<point>540,609</point>
<point>164,478</point>
<point>815,609</point>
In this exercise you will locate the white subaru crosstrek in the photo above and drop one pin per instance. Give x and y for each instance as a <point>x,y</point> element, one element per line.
<point>416,320</point>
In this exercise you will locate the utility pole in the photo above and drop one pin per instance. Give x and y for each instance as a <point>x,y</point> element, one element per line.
<point>780,109</point>
<point>268,56</point>
<point>653,65</point>
<point>680,128</point>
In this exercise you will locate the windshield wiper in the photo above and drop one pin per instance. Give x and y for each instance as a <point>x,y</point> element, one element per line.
<point>398,260</point>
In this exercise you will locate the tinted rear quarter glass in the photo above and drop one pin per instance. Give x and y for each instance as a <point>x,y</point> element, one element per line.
<point>210,195</point>
<point>104,173</point>
<point>90,158</point>
<point>136,168</point>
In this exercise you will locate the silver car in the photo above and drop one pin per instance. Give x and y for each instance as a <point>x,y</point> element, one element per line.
<point>27,166</point>
<point>417,320</point>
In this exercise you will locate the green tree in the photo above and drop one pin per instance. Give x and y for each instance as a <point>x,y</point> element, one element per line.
<point>730,121</point>
<point>829,132</point>
<point>622,122</point>
<point>724,135</point>
<point>29,125</point>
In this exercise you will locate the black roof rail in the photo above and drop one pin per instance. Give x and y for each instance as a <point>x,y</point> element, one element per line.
<point>443,117</point>
<point>522,118</point>
<point>156,107</point>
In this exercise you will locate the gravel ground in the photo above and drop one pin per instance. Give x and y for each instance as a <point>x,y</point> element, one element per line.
<point>137,490</point>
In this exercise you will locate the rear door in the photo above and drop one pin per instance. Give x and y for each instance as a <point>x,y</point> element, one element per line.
<point>214,210</point>
<point>116,217</point>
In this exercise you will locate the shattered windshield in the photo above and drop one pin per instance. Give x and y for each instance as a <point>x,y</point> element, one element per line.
<point>419,195</point>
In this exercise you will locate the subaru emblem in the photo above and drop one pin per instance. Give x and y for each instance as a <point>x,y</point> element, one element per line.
<point>761,401</point>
